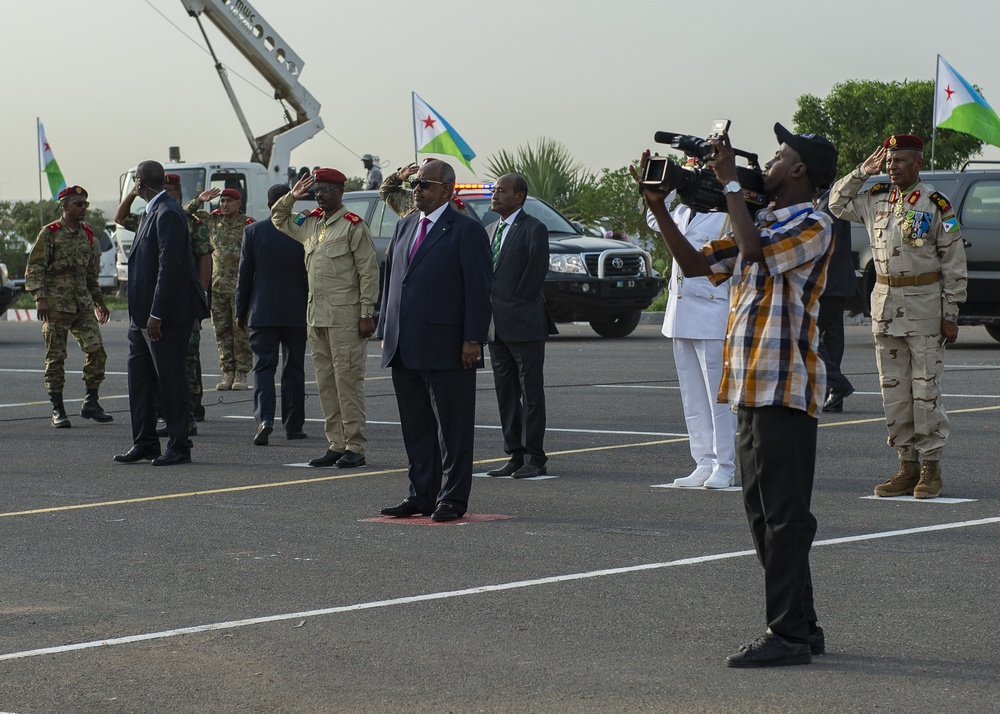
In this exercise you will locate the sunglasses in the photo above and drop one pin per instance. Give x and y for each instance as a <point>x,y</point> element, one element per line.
<point>85,204</point>
<point>326,189</point>
<point>424,183</point>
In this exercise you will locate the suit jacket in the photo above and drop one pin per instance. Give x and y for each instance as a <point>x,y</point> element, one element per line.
<point>162,279</point>
<point>519,312</point>
<point>440,299</point>
<point>272,288</point>
<point>840,278</point>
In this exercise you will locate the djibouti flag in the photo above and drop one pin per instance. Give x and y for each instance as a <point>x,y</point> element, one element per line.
<point>47,164</point>
<point>959,107</point>
<point>433,135</point>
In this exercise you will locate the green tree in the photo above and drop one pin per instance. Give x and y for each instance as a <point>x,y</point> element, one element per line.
<point>857,116</point>
<point>20,223</point>
<point>354,183</point>
<point>550,171</point>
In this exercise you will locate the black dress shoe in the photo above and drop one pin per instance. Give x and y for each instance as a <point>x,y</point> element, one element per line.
<point>292,435</point>
<point>529,471</point>
<point>173,457</point>
<point>445,512</point>
<point>350,460</point>
<point>405,509</point>
<point>507,469</point>
<point>192,425</point>
<point>328,459</point>
<point>817,640</point>
<point>835,402</point>
<point>770,650</point>
<point>137,454</point>
<point>263,431</point>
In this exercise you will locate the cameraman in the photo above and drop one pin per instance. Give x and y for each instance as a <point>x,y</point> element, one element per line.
<point>772,372</point>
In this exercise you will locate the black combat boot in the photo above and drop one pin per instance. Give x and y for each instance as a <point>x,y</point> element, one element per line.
<point>92,410</point>
<point>59,418</point>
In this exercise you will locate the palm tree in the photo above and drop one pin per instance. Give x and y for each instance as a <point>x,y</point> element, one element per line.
<point>550,171</point>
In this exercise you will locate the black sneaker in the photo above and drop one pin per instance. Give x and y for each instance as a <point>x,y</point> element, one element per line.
<point>770,650</point>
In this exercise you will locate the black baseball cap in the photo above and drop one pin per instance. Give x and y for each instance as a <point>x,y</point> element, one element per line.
<point>816,152</point>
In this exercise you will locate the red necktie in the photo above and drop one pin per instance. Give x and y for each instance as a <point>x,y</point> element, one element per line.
<point>421,234</point>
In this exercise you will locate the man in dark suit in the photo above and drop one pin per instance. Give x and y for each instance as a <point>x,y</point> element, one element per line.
<point>164,299</point>
<point>271,294</point>
<point>520,248</point>
<point>435,318</point>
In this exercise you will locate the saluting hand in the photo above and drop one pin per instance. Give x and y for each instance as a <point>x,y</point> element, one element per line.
<point>873,164</point>
<point>209,194</point>
<point>407,171</point>
<point>301,188</point>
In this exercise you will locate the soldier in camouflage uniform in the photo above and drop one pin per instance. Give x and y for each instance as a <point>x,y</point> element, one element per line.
<point>202,249</point>
<point>225,229</point>
<point>343,289</point>
<point>920,279</point>
<point>399,199</point>
<point>62,277</point>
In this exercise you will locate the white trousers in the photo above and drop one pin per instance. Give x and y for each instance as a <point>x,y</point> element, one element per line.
<point>711,426</point>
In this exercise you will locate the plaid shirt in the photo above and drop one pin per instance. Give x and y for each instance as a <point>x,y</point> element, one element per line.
<point>772,347</point>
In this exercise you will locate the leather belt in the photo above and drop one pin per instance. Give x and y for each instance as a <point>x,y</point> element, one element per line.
<point>905,281</point>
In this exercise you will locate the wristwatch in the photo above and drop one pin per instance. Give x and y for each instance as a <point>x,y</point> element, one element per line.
<point>732,187</point>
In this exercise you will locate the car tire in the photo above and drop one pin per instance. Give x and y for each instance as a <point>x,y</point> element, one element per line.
<point>993,331</point>
<point>620,324</point>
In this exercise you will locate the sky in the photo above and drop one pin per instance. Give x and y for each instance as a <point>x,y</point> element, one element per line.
<point>119,81</point>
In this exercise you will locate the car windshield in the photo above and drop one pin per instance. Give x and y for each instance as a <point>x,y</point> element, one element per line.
<point>479,207</point>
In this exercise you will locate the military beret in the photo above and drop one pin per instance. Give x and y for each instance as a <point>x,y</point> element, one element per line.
<point>232,193</point>
<point>171,180</point>
<point>72,192</point>
<point>329,176</point>
<point>904,141</point>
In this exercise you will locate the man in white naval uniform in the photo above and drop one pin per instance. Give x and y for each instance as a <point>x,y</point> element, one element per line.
<point>696,318</point>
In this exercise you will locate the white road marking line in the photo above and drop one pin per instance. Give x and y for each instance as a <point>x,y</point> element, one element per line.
<point>684,488</point>
<point>448,594</point>
<point>911,499</point>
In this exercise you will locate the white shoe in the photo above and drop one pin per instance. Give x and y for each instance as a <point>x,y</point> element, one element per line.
<point>697,478</point>
<point>721,479</point>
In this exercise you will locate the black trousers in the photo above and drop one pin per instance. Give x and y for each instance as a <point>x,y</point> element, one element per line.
<point>265,343</point>
<point>437,413</point>
<point>159,365</point>
<point>830,324</point>
<point>520,386</point>
<point>777,452</point>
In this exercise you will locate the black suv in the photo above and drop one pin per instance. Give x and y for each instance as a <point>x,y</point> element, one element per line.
<point>975,196</point>
<point>607,283</point>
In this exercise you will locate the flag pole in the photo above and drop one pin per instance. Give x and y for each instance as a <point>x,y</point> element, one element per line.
<point>937,70</point>
<point>38,142</point>
<point>413,109</point>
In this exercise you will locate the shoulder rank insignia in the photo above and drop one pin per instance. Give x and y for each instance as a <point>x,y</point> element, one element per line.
<point>197,221</point>
<point>54,226</point>
<point>217,212</point>
<point>89,231</point>
<point>879,188</point>
<point>316,213</point>
<point>353,217</point>
<point>459,203</point>
<point>942,203</point>
<point>249,220</point>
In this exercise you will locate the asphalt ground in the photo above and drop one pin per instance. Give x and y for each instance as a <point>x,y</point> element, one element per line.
<point>244,583</point>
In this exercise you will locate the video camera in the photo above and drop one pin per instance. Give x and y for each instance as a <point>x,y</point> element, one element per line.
<point>697,186</point>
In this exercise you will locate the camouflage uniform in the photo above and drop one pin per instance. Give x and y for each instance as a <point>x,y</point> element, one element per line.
<point>920,279</point>
<point>400,199</point>
<point>343,285</point>
<point>200,245</point>
<point>62,268</point>
<point>226,240</point>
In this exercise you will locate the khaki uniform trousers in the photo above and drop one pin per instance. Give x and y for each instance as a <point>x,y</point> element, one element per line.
<point>910,368</point>
<point>84,327</point>
<point>339,356</point>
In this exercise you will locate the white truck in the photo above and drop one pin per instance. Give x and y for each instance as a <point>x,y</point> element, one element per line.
<point>270,152</point>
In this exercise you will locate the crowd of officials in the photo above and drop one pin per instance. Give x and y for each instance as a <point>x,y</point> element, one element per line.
<point>755,313</point>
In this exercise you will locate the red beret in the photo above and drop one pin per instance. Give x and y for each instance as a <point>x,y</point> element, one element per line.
<point>171,180</point>
<point>232,193</point>
<point>904,141</point>
<point>71,192</point>
<point>329,176</point>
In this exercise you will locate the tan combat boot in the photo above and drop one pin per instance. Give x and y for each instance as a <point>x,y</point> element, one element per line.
<point>226,383</point>
<point>241,381</point>
<point>902,483</point>
<point>930,480</point>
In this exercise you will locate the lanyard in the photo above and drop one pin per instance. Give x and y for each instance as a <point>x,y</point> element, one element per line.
<point>775,226</point>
